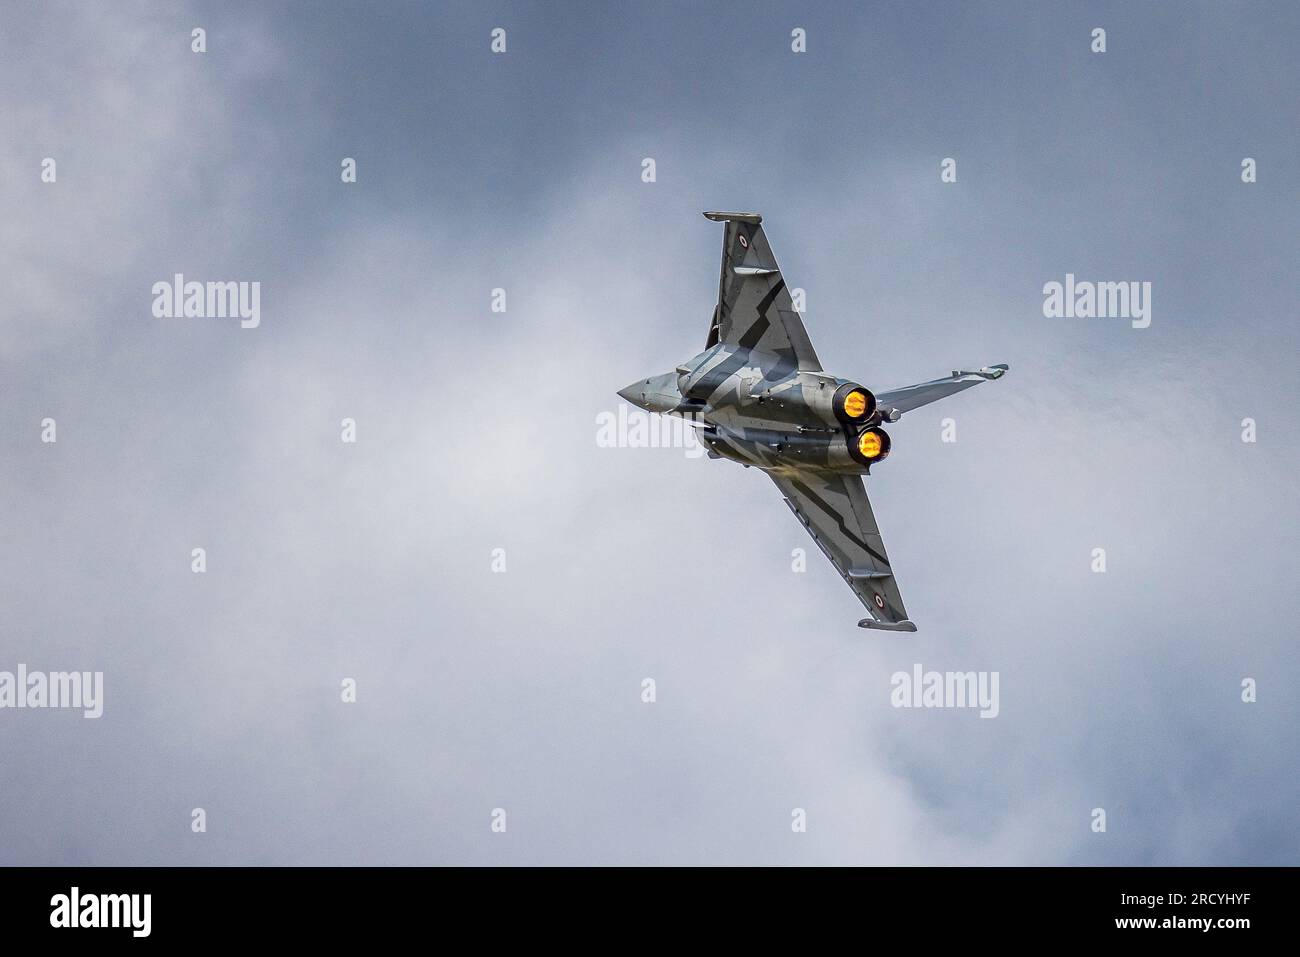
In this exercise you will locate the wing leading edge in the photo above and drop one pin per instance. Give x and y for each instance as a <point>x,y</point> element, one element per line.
<point>835,511</point>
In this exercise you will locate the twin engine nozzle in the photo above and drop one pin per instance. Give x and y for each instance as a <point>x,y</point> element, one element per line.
<point>855,407</point>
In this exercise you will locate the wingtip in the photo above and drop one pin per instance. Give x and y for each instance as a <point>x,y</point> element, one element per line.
<point>906,625</point>
<point>718,217</point>
<point>991,373</point>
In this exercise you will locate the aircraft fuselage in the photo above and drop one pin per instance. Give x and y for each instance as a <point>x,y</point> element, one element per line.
<point>759,409</point>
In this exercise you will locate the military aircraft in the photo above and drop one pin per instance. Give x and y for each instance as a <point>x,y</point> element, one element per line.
<point>758,395</point>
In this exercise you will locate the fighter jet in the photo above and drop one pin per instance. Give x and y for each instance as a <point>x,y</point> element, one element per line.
<point>758,396</point>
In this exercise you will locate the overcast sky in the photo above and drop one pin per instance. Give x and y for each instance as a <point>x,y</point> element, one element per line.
<point>476,431</point>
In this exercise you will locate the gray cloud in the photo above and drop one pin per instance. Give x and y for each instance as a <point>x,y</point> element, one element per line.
<point>477,431</point>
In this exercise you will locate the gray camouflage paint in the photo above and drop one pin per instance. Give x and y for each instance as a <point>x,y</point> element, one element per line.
<point>760,397</point>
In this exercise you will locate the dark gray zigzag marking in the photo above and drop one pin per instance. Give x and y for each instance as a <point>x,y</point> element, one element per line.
<point>833,513</point>
<point>720,373</point>
<point>755,332</point>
